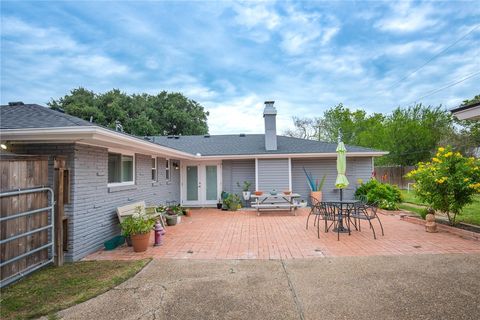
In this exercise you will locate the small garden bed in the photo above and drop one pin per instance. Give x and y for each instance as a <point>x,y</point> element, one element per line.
<point>56,288</point>
<point>470,214</point>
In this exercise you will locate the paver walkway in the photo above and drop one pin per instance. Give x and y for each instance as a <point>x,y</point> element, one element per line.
<point>215,234</point>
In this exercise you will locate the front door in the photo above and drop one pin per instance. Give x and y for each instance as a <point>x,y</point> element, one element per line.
<point>201,183</point>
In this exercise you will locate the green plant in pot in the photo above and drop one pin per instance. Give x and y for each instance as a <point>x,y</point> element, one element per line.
<point>138,227</point>
<point>224,196</point>
<point>173,214</point>
<point>232,202</point>
<point>315,186</point>
<point>245,189</point>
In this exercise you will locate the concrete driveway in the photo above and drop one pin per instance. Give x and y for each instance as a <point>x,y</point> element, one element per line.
<point>377,287</point>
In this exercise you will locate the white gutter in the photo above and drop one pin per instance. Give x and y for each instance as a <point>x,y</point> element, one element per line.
<point>297,155</point>
<point>90,135</point>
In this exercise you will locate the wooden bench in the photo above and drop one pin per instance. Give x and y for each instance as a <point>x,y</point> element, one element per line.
<point>130,209</point>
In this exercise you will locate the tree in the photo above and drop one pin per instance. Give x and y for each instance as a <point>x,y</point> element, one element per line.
<point>412,134</point>
<point>448,182</point>
<point>140,114</point>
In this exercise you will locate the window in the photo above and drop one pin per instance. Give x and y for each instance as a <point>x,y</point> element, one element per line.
<point>120,168</point>
<point>167,170</point>
<point>154,169</point>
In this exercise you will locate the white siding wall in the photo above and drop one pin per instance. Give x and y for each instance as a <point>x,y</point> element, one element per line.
<point>273,174</point>
<point>356,168</point>
<point>234,171</point>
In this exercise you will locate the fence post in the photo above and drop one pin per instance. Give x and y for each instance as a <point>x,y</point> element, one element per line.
<point>59,211</point>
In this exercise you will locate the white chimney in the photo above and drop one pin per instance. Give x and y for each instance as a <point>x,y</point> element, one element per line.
<point>270,115</point>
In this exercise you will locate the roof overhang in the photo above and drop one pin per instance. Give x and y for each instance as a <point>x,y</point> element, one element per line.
<point>98,136</point>
<point>90,135</point>
<point>295,155</point>
<point>470,112</point>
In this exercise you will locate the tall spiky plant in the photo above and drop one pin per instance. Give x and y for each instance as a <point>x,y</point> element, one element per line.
<point>314,185</point>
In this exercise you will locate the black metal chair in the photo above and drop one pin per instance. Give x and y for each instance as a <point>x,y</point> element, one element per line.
<point>322,211</point>
<point>363,211</point>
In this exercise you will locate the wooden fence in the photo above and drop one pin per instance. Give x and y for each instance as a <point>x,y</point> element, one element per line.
<point>23,173</point>
<point>394,175</point>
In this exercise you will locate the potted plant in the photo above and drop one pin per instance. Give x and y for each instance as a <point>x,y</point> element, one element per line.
<point>315,186</point>
<point>245,189</point>
<point>232,202</point>
<point>224,196</point>
<point>173,214</point>
<point>139,227</point>
<point>219,204</point>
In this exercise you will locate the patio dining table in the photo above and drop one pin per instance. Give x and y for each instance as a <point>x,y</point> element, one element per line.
<point>344,206</point>
<point>275,201</point>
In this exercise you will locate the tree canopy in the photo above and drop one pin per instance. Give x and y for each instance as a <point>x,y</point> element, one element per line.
<point>410,134</point>
<point>166,113</point>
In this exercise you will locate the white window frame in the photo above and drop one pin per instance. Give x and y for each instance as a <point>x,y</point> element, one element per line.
<point>168,167</point>
<point>155,168</point>
<point>123,153</point>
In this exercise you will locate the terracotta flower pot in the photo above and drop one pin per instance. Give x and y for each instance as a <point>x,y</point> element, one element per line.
<point>317,195</point>
<point>140,242</point>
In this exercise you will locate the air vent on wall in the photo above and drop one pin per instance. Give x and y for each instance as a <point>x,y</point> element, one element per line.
<point>242,134</point>
<point>206,136</point>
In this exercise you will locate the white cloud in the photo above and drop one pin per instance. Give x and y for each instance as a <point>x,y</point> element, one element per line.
<point>253,15</point>
<point>411,47</point>
<point>405,17</point>
<point>98,65</point>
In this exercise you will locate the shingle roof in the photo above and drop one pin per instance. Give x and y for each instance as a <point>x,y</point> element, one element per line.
<point>217,145</point>
<point>36,116</point>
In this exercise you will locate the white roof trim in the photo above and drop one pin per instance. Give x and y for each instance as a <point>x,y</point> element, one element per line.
<point>297,155</point>
<point>92,136</point>
<point>98,136</point>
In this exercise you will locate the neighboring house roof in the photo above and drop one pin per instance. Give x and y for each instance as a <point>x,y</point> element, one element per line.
<point>36,116</point>
<point>221,145</point>
<point>32,122</point>
<point>467,112</point>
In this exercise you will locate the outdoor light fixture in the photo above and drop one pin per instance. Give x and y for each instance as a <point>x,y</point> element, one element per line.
<point>175,165</point>
<point>3,146</point>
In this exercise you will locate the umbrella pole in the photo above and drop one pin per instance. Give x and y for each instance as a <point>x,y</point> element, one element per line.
<point>341,194</point>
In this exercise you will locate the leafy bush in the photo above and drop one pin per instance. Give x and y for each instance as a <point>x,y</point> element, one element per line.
<point>447,183</point>
<point>384,195</point>
<point>233,202</point>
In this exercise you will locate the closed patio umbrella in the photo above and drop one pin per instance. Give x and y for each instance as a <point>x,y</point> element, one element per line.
<point>342,181</point>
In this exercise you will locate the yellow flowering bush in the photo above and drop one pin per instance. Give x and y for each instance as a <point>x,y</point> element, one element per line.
<point>448,182</point>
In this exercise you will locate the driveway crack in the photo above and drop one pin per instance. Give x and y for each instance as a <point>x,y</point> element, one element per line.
<point>294,293</point>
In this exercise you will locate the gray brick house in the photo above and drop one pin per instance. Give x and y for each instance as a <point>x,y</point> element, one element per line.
<point>110,169</point>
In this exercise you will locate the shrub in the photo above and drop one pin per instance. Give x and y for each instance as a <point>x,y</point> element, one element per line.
<point>384,195</point>
<point>233,202</point>
<point>447,183</point>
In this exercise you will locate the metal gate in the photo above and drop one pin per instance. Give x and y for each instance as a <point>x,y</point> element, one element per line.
<point>41,249</point>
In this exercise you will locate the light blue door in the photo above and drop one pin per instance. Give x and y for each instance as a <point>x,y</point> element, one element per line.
<point>192,183</point>
<point>211,183</point>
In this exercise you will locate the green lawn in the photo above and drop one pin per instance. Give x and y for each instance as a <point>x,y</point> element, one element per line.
<point>470,214</point>
<point>55,288</point>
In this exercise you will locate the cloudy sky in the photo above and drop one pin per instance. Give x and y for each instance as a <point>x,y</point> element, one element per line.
<point>232,56</point>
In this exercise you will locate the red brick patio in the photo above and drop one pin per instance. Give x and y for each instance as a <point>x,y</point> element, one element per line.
<point>214,234</point>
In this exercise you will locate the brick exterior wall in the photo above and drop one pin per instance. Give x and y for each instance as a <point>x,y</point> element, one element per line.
<point>91,213</point>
